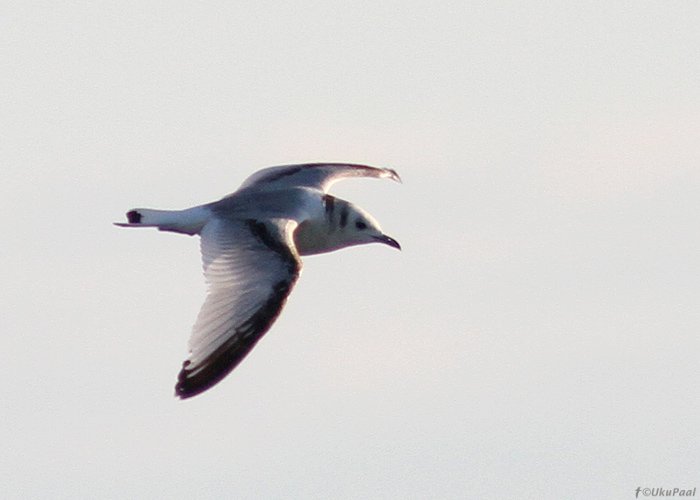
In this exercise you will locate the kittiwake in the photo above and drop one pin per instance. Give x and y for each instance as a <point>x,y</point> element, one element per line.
<point>251,243</point>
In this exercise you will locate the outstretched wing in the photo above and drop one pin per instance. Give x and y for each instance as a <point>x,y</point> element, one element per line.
<point>250,267</point>
<point>316,175</point>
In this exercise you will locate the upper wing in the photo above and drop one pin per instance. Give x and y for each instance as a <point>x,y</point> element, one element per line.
<point>250,267</point>
<point>316,175</point>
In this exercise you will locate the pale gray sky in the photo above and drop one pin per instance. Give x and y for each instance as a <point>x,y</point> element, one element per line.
<point>538,337</point>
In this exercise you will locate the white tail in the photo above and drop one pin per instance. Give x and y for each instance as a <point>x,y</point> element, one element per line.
<point>189,221</point>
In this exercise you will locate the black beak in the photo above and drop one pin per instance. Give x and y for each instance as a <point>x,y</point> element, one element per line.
<point>388,240</point>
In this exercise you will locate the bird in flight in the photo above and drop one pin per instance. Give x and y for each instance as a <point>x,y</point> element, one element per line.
<point>251,243</point>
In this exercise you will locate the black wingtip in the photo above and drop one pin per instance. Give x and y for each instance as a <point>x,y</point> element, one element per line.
<point>394,175</point>
<point>190,383</point>
<point>181,390</point>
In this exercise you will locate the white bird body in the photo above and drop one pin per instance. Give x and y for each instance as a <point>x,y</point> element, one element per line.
<point>251,242</point>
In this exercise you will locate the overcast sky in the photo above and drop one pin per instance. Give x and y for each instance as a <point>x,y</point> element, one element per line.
<point>537,338</point>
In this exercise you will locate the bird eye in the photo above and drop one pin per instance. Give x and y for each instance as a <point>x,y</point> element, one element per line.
<point>360,225</point>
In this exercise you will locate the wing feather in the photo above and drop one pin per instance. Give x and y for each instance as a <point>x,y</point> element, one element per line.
<point>250,268</point>
<point>315,175</point>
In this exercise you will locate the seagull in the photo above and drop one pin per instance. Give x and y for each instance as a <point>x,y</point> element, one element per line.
<point>251,243</point>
